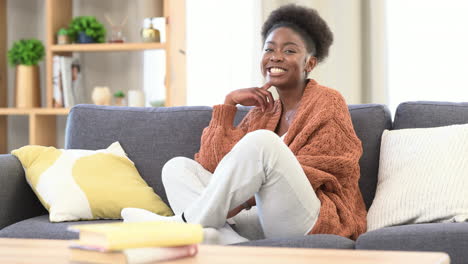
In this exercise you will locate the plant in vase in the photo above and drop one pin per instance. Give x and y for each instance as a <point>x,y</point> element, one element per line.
<point>63,36</point>
<point>87,29</point>
<point>25,55</point>
<point>119,98</point>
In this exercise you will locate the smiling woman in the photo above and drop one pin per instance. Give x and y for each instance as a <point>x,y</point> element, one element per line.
<point>294,161</point>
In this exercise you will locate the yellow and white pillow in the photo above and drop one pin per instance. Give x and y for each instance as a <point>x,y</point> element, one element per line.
<point>76,184</point>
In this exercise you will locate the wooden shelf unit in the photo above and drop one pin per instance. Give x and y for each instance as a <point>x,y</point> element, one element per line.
<point>58,14</point>
<point>107,47</point>
<point>3,75</point>
<point>42,123</point>
<point>33,111</point>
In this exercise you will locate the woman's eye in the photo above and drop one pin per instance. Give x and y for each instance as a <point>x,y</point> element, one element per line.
<point>290,51</point>
<point>268,50</point>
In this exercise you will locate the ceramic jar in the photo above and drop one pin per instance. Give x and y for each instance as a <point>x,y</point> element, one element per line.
<point>101,95</point>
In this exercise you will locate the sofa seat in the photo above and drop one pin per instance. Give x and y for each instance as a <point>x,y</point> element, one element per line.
<point>310,241</point>
<point>41,228</point>
<point>446,237</point>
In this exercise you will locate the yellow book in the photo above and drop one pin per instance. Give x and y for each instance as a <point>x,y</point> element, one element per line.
<point>119,236</point>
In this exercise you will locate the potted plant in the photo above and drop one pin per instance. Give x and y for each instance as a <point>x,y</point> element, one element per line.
<point>63,36</point>
<point>87,29</point>
<point>25,55</point>
<point>119,97</point>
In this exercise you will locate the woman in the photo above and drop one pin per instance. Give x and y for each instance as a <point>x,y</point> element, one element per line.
<point>295,159</point>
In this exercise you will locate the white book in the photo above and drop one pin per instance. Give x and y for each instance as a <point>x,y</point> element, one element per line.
<point>65,66</point>
<point>56,78</point>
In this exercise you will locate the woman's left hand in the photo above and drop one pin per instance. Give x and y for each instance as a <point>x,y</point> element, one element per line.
<point>235,211</point>
<point>241,207</point>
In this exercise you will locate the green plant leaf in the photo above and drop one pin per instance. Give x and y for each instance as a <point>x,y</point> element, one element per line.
<point>26,52</point>
<point>88,24</point>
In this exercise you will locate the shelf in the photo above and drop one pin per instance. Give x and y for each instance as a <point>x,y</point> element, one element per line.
<point>107,47</point>
<point>36,111</point>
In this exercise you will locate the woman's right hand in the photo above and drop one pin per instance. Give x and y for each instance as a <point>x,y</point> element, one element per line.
<point>255,96</point>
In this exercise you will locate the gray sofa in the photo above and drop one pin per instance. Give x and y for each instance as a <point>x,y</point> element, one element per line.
<point>151,136</point>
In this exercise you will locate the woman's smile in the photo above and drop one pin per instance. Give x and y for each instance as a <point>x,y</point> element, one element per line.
<point>276,71</point>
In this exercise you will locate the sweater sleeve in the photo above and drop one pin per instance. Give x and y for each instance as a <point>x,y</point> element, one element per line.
<point>330,159</point>
<point>220,136</point>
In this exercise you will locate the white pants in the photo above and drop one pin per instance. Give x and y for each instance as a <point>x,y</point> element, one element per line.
<point>259,164</point>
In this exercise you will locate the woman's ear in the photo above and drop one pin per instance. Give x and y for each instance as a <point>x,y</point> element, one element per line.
<point>311,62</point>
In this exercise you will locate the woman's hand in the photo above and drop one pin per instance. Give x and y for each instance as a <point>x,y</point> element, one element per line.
<point>235,211</point>
<point>251,202</point>
<point>256,96</point>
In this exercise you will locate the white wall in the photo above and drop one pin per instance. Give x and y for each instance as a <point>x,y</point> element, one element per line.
<point>427,50</point>
<point>223,48</point>
<point>342,70</point>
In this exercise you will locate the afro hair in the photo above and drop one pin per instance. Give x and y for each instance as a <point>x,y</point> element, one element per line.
<point>307,23</point>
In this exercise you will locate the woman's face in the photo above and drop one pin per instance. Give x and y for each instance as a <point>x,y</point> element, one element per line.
<point>285,60</point>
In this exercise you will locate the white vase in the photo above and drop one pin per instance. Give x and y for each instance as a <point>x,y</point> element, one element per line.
<point>101,95</point>
<point>136,98</point>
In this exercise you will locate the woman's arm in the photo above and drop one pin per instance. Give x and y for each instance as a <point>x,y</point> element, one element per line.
<point>220,135</point>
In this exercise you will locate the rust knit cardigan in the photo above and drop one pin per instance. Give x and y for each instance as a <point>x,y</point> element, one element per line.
<point>322,138</point>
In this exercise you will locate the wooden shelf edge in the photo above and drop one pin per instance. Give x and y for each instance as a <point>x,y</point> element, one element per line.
<point>36,111</point>
<point>106,47</point>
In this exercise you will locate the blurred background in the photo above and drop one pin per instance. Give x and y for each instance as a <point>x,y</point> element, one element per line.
<point>385,51</point>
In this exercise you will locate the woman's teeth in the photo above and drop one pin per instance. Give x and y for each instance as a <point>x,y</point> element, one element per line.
<point>276,70</point>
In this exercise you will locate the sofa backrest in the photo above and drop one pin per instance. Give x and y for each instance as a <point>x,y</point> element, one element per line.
<point>152,136</point>
<point>422,114</point>
<point>369,121</point>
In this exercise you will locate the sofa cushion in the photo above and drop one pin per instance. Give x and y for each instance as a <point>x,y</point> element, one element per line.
<point>447,237</point>
<point>430,114</point>
<point>369,121</point>
<point>41,228</point>
<point>310,241</point>
<point>422,177</point>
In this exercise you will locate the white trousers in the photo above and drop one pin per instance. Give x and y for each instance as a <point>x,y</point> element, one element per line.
<point>259,164</point>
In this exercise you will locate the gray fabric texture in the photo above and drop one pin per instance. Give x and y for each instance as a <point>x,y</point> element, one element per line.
<point>311,241</point>
<point>423,114</point>
<point>17,200</point>
<point>451,238</point>
<point>369,121</point>
<point>39,227</point>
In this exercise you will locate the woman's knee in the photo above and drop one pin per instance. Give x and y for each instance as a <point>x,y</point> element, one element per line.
<point>261,135</point>
<point>261,138</point>
<point>172,168</point>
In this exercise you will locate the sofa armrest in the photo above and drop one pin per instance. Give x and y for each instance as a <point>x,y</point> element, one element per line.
<point>17,200</point>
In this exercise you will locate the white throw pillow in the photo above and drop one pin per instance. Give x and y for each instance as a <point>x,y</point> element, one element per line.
<point>423,177</point>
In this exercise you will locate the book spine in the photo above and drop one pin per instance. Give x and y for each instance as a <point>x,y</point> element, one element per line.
<point>58,95</point>
<point>65,65</point>
<point>150,255</point>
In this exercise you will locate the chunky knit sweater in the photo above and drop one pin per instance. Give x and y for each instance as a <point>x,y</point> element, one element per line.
<point>322,138</point>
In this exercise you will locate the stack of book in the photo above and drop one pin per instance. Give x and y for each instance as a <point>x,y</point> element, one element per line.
<point>67,82</point>
<point>138,242</point>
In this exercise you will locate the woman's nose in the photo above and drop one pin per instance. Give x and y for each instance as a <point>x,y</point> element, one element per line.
<point>276,57</point>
